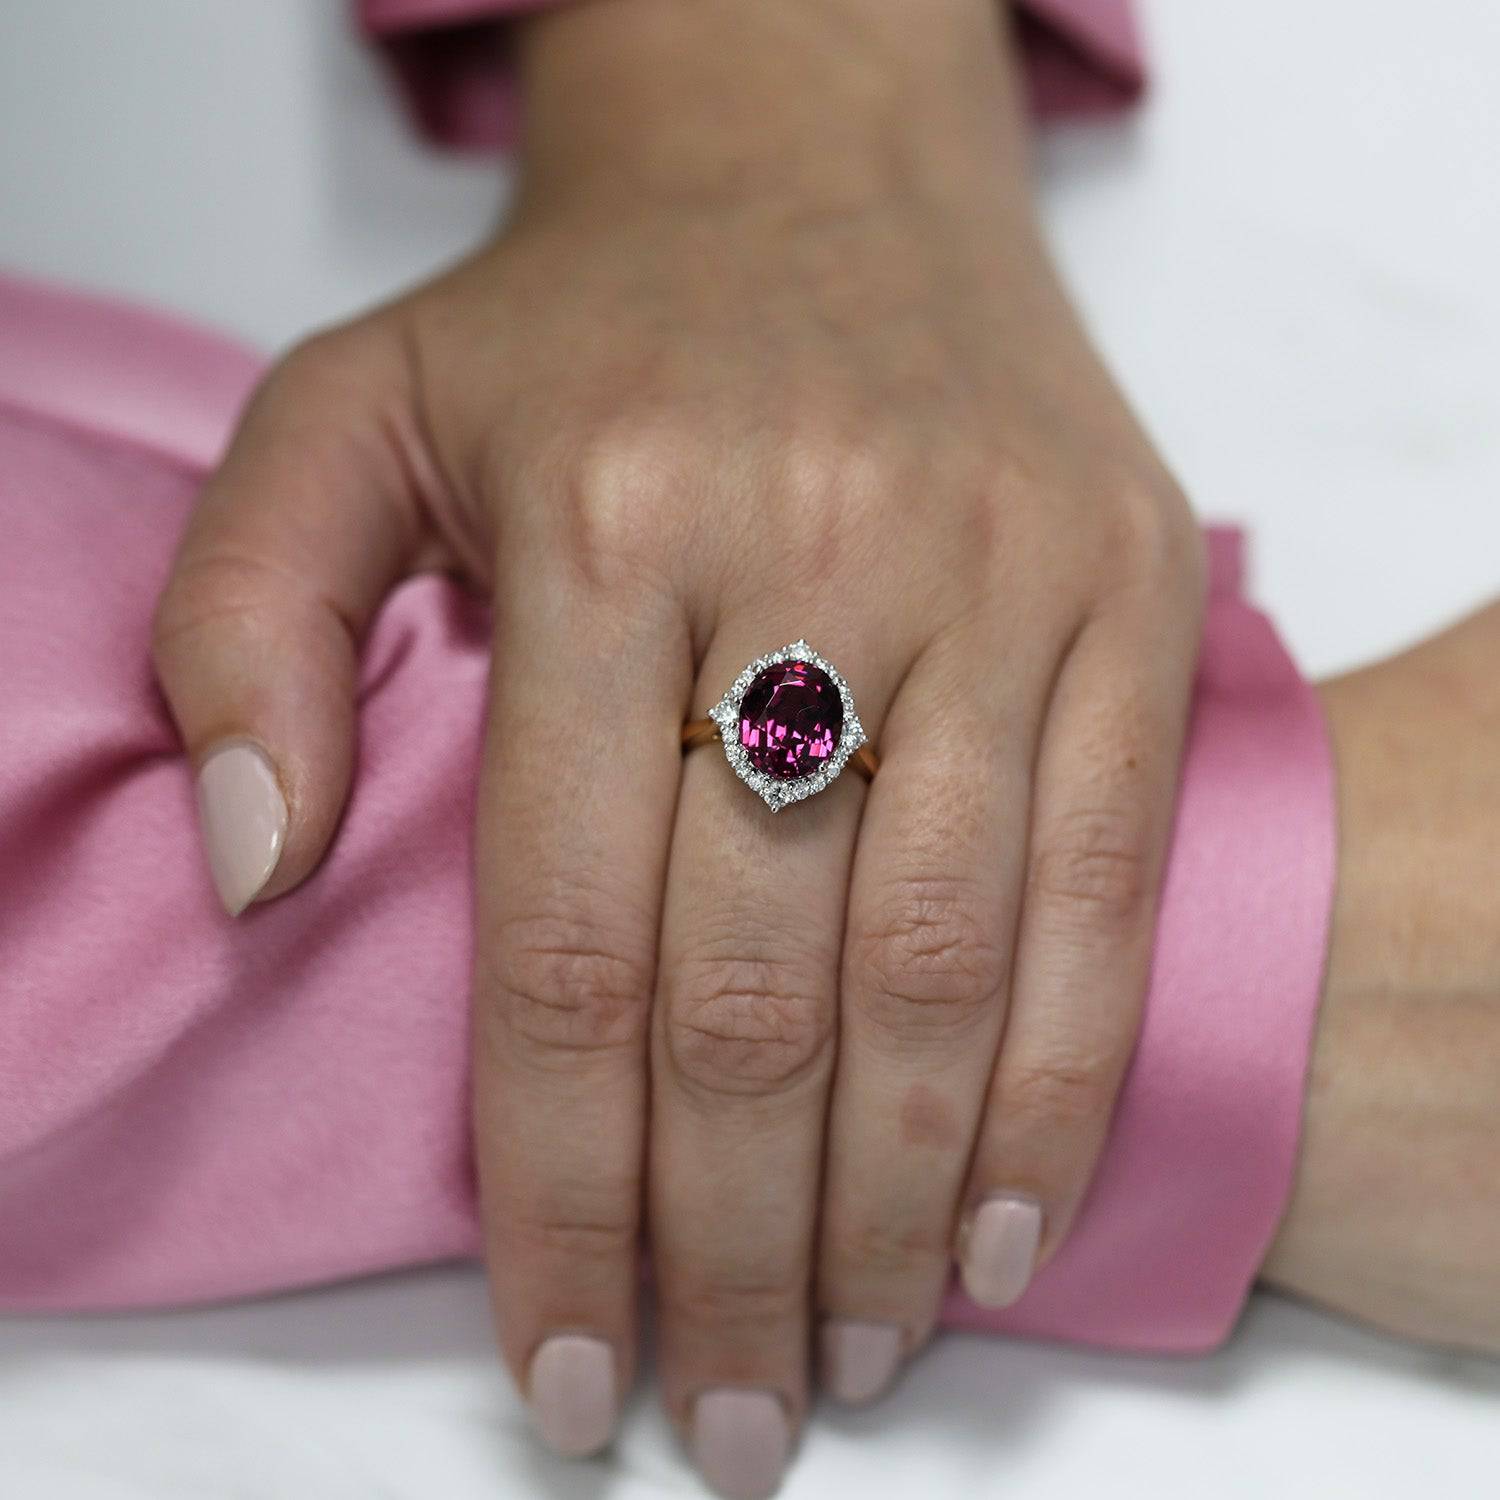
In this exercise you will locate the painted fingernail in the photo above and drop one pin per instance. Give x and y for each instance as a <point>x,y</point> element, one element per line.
<point>244,821</point>
<point>740,1442</point>
<point>574,1403</point>
<point>999,1252</point>
<point>858,1361</point>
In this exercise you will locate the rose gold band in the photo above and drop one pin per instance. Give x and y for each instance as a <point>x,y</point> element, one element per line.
<point>704,731</point>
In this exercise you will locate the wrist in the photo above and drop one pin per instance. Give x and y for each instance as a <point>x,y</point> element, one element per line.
<point>1394,1217</point>
<point>848,100</point>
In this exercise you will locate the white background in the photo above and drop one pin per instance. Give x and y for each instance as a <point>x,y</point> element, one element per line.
<point>1290,258</point>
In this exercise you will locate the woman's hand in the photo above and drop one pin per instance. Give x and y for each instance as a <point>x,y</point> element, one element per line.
<point>772,349</point>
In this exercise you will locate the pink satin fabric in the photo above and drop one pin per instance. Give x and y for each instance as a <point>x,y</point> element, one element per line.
<point>451,59</point>
<point>194,1108</point>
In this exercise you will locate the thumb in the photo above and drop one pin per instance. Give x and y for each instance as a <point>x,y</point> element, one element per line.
<point>310,519</point>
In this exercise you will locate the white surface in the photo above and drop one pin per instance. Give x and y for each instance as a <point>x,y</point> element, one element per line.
<point>1291,262</point>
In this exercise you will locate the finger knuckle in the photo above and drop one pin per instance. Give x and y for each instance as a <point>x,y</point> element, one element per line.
<point>929,957</point>
<point>232,592</point>
<point>624,478</point>
<point>746,1025</point>
<point>1154,536</point>
<point>752,1300</point>
<point>1095,869</point>
<point>835,486</point>
<point>574,1231</point>
<point>1002,485</point>
<point>1060,1092</point>
<point>555,988</point>
<point>825,471</point>
<point>188,603</point>
<point>882,1251</point>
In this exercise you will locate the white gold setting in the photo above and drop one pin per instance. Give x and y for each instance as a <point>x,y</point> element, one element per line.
<point>776,793</point>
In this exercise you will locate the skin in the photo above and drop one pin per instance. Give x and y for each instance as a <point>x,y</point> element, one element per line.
<point>771,348</point>
<point>1395,1219</point>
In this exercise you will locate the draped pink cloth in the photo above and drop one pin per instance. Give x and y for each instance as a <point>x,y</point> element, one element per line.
<point>196,1108</point>
<point>451,58</point>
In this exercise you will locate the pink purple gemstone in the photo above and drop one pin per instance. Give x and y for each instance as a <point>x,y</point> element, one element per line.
<point>791,718</point>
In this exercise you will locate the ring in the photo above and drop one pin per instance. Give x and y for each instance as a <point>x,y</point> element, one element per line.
<point>788,726</point>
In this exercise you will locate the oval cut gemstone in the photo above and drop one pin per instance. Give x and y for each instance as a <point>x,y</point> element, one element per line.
<point>791,719</point>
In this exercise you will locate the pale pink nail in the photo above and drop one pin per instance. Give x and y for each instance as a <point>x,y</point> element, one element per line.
<point>244,821</point>
<point>858,1360</point>
<point>571,1384</point>
<point>740,1442</point>
<point>999,1252</point>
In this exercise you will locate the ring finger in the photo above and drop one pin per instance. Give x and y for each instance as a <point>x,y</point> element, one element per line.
<point>741,1056</point>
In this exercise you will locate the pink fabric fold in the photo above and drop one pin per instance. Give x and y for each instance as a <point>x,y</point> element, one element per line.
<point>193,1108</point>
<point>451,60</point>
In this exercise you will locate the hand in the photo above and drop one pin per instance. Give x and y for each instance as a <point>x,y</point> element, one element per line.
<point>1396,1214</point>
<point>772,349</point>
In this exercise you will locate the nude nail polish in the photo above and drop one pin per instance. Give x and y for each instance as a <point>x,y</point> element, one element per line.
<point>999,1250</point>
<point>571,1385</point>
<point>243,816</point>
<point>740,1442</point>
<point>858,1361</point>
